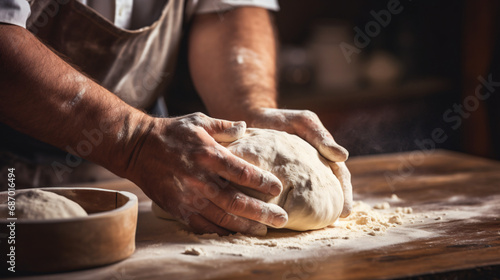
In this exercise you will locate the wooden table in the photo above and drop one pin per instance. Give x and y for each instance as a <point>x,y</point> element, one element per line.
<point>466,246</point>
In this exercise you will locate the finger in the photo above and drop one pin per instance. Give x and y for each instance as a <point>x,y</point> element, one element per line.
<point>327,146</point>
<point>342,173</point>
<point>234,169</point>
<point>310,128</point>
<point>234,202</point>
<point>216,215</point>
<point>201,225</point>
<point>225,131</point>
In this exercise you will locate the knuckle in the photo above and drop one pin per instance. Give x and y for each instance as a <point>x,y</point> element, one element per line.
<point>218,125</point>
<point>237,204</point>
<point>223,219</point>
<point>305,119</point>
<point>244,174</point>
<point>309,115</point>
<point>197,118</point>
<point>198,115</point>
<point>211,190</point>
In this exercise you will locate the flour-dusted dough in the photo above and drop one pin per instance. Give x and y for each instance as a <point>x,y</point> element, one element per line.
<point>312,195</point>
<point>43,205</point>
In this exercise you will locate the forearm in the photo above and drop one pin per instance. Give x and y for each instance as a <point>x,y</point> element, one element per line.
<point>232,60</point>
<point>46,98</point>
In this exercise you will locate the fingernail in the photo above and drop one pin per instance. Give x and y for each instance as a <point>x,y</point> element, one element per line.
<point>269,180</point>
<point>238,128</point>
<point>334,152</point>
<point>347,210</point>
<point>344,151</point>
<point>275,190</point>
<point>278,217</point>
<point>280,220</point>
<point>258,230</point>
<point>345,213</point>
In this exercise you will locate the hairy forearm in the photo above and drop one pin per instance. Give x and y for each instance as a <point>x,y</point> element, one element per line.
<point>232,60</point>
<point>46,98</point>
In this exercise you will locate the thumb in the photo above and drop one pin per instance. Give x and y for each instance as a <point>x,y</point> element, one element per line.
<point>226,131</point>
<point>332,151</point>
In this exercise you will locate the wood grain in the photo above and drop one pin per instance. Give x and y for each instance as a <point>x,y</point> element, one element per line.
<point>436,181</point>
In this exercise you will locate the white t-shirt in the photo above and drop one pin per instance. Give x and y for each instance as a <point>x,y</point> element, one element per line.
<point>131,13</point>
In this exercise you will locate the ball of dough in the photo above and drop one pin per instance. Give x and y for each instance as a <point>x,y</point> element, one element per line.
<point>43,205</point>
<point>312,195</point>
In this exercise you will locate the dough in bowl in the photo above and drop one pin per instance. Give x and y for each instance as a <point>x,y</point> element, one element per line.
<point>312,195</point>
<point>43,205</point>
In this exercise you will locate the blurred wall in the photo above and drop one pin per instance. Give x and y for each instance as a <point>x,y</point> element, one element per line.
<point>384,76</point>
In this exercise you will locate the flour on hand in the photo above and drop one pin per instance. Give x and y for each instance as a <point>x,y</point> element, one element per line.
<point>312,195</point>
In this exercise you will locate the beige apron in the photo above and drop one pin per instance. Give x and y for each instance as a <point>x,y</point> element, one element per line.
<point>136,65</point>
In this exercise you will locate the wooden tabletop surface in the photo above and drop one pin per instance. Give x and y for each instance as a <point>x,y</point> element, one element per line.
<point>465,244</point>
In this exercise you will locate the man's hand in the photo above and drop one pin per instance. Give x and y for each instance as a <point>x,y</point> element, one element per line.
<point>240,50</point>
<point>307,125</point>
<point>177,162</point>
<point>183,168</point>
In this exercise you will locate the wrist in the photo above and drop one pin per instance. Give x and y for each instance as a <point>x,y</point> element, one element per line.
<point>255,108</point>
<point>127,140</point>
<point>256,115</point>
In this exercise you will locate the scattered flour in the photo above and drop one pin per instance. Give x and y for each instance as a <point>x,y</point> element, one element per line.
<point>194,251</point>
<point>394,197</point>
<point>372,220</point>
<point>161,243</point>
<point>384,205</point>
<point>405,210</point>
<point>373,224</point>
<point>364,222</point>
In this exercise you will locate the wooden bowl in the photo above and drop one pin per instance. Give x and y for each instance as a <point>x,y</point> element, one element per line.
<point>106,236</point>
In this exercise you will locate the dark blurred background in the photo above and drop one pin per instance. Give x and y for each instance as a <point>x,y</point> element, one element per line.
<point>388,77</point>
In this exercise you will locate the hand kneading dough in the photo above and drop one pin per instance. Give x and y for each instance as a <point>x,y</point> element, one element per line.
<point>43,205</point>
<point>312,195</point>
